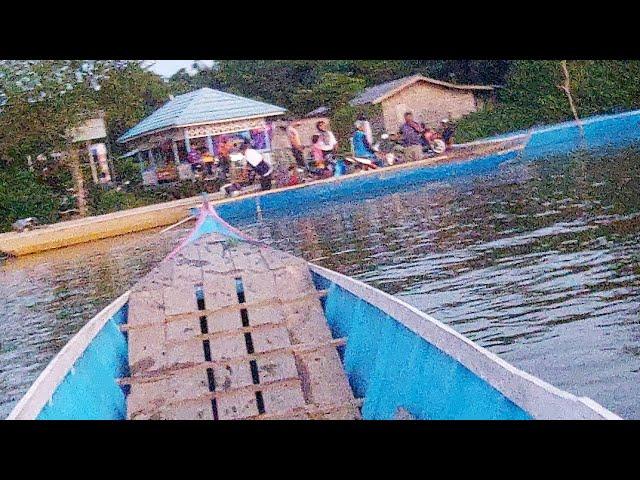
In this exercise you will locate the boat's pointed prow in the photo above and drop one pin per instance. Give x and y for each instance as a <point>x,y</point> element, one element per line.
<point>209,221</point>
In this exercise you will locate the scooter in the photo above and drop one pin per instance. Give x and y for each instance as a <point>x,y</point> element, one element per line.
<point>390,149</point>
<point>435,144</point>
<point>334,166</point>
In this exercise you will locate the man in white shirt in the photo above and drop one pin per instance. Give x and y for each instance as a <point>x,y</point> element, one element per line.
<point>260,165</point>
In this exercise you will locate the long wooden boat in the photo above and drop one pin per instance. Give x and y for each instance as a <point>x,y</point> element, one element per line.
<point>82,230</point>
<point>228,328</point>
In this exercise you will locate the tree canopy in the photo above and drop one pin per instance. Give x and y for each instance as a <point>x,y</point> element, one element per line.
<point>304,85</point>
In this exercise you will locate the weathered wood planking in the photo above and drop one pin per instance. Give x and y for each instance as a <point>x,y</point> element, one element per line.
<point>255,346</point>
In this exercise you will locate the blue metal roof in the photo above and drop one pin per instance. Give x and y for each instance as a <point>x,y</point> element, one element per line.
<point>200,106</point>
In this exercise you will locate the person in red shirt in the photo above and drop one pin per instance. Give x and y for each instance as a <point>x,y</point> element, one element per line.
<point>293,176</point>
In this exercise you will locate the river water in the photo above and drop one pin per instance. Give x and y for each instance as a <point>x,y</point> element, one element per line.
<point>538,261</point>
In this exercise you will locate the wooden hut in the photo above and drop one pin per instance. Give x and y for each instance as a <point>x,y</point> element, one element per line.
<point>197,120</point>
<point>429,100</point>
<point>91,133</point>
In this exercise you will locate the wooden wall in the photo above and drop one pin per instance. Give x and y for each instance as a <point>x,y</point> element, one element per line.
<point>429,104</point>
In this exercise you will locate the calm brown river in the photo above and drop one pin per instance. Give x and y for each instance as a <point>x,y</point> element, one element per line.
<point>537,261</point>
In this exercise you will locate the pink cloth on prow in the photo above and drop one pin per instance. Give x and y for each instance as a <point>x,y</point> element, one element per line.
<point>205,211</point>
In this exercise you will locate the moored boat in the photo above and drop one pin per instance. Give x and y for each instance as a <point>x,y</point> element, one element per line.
<point>228,328</point>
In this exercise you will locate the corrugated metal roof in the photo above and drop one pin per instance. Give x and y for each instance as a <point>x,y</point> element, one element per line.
<point>318,111</point>
<point>378,92</point>
<point>205,105</point>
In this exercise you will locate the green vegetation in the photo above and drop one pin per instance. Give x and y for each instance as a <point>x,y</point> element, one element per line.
<point>21,196</point>
<point>531,95</point>
<point>40,99</point>
<point>107,200</point>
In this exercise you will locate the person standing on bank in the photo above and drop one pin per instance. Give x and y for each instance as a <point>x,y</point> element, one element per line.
<point>207,160</point>
<point>366,128</point>
<point>296,144</point>
<point>448,131</point>
<point>412,135</point>
<point>328,143</point>
<point>361,146</point>
<point>261,166</point>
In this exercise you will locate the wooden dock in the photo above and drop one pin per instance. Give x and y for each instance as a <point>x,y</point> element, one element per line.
<point>230,330</point>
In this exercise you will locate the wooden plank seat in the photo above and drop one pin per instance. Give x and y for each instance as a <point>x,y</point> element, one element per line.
<point>227,330</point>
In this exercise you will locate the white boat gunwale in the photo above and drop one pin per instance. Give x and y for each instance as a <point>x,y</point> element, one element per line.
<point>538,398</point>
<point>530,393</point>
<point>44,387</point>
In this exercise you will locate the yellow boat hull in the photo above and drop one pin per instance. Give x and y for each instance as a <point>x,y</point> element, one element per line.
<point>83,230</point>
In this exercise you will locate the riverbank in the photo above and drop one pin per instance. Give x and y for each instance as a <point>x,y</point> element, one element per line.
<point>137,219</point>
<point>593,133</point>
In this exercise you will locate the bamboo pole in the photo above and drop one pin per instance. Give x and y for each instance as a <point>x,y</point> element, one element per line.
<point>566,87</point>
<point>171,227</point>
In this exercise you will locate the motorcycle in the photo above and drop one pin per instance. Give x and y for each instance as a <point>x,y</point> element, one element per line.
<point>390,149</point>
<point>435,143</point>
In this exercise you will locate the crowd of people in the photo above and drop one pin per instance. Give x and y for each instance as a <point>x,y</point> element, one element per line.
<point>239,163</point>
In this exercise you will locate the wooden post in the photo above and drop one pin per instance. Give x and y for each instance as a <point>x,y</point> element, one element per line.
<point>174,147</point>
<point>267,139</point>
<point>76,173</point>
<point>92,163</point>
<point>187,145</point>
<point>141,162</point>
<point>110,163</point>
<point>267,146</point>
<point>209,144</point>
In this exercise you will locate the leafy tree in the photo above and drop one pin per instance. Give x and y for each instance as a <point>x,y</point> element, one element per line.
<point>127,96</point>
<point>603,86</point>
<point>334,91</point>
<point>272,81</point>
<point>481,72</point>
<point>532,95</point>
<point>21,196</point>
<point>296,84</point>
<point>41,99</point>
<point>204,76</point>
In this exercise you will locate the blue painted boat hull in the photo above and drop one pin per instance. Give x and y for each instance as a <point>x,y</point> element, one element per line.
<point>390,362</point>
<point>393,368</point>
<point>90,391</point>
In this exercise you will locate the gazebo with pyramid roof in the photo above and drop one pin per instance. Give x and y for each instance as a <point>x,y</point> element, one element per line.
<point>197,120</point>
